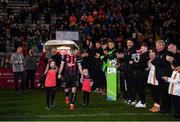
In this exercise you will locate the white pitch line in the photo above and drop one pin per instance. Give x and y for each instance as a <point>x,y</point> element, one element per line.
<point>78,115</point>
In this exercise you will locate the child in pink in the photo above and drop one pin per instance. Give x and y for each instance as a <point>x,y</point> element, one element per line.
<point>50,83</point>
<point>86,86</point>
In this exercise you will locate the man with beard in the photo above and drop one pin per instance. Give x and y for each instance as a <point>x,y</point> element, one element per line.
<point>129,72</point>
<point>69,72</point>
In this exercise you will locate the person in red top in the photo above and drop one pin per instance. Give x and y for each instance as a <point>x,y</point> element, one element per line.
<point>84,19</point>
<point>101,13</point>
<point>91,20</point>
<point>95,13</point>
<point>72,20</point>
<point>50,83</point>
<point>87,83</point>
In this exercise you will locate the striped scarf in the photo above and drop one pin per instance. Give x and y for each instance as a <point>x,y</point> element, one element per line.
<point>171,85</point>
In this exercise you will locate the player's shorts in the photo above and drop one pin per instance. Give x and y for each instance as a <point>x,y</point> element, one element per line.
<point>69,81</point>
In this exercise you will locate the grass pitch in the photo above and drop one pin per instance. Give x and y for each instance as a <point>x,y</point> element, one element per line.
<point>31,105</point>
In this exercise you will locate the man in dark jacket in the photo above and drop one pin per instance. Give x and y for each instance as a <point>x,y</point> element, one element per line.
<point>140,64</point>
<point>174,59</point>
<point>99,79</point>
<point>163,68</point>
<point>173,52</point>
<point>30,69</point>
<point>56,57</point>
<point>129,73</point>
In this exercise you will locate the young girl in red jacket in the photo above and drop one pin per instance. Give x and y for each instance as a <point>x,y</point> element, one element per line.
<point>50,83</point>
<point>87,83</point>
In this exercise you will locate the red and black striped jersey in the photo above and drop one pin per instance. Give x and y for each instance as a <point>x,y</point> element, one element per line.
<point>71,64</point>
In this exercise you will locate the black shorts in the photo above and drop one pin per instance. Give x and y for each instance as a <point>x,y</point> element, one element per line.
<point>69,81</point>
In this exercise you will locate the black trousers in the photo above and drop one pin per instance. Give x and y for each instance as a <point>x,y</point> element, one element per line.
<point>140,77</point>
<point>50,95</point>
<point>30,75</point>
<point>19,76</point>
<point>176,103</point>
<point>131,84</point>
<point>155,94</point>
<point>86,97</point>
<point>99,79</point>
<point>165,98</point>
<point>123,85</point>
<point>104,82</point>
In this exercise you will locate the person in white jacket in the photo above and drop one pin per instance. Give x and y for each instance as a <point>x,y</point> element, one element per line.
<point>174,89</point>
<point>153,82</point>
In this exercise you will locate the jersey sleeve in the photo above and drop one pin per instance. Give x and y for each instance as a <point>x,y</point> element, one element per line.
<point>63,58</point>
<point>79,60</point>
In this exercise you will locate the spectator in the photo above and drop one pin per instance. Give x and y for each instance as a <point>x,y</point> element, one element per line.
<point>129,73</point>
<point>30,69</point>
<point>87,61</point>
<point>120,66</point>
<point>18,63</point>
<point>99,80</point>
<point>47,17</point>
<point>4,4</point>
<point>140,74</point>
<point>119,18</point>
<point>174,89</point>
<point>23,15</point>
<point>5,62</point>
<point>154,83</point>
<point>163,68</point>
<point>72,21</point>
<point>112,50</point>
<point>172,48</point>
<point>34,13</point>
<point>91,20</point>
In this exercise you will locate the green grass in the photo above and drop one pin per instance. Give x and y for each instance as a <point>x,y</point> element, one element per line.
<point>31,106</point>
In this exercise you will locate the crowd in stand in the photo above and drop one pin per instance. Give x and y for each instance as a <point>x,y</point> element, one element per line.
<point>129,31</point>
<point>146,20</point>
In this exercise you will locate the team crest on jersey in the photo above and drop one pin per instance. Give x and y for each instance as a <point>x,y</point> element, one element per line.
<point>136,57</point>
<point>67,58</point>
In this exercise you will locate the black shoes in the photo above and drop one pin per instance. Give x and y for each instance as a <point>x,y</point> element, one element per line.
<point>176,115</point>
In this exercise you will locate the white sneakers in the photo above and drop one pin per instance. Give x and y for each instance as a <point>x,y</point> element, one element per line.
<point>135,104</point>
<point>140,105</point>
<point>131,102</point>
